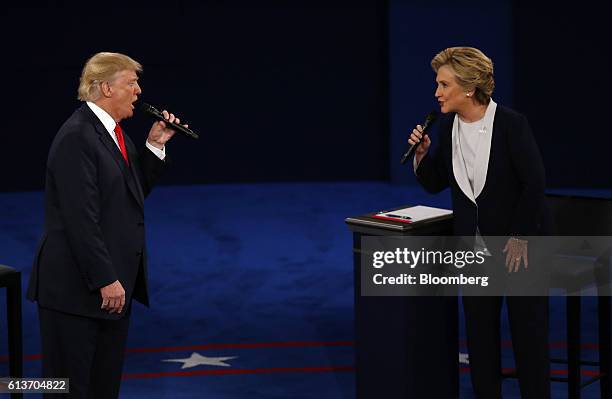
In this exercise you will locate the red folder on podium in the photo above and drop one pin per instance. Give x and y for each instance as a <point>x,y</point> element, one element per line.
<point>402,218</point>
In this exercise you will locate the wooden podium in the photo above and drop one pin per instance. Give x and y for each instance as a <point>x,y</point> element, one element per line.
<point>406,347</point>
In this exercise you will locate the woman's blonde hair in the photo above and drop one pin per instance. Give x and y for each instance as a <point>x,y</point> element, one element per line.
<point>102,67</point>
<point>473,70</point>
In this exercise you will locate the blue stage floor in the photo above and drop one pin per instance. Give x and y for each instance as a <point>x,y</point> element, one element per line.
<point>258,273</point>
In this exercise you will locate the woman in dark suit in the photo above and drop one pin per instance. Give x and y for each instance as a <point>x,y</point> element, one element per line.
<point>488,157</point>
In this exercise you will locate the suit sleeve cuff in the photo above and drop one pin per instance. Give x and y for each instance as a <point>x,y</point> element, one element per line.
<point>161,154</point>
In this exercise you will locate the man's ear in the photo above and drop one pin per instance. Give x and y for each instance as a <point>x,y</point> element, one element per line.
<point>106,89</point>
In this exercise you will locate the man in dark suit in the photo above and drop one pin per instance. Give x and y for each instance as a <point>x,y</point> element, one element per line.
<point>91,261</point>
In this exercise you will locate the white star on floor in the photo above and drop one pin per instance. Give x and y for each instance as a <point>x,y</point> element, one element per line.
<point>198,360</point>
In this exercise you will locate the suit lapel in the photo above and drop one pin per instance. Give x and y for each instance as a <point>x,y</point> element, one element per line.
<point>481,163</point>
<point>481,160</point>
<point>459,168</point>
<point>115,153</point>
<point>133,157</point>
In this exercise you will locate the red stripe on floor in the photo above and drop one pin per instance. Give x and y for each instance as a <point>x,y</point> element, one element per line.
<point>552,345</point>
<point>325,369</point>
<point>587,373</point>
<point>296,344</point>
<point>238,346</point>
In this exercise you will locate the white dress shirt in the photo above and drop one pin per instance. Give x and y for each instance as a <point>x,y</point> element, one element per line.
<point>469,140</point>
<point>471,143</point>
<point>109,123</point>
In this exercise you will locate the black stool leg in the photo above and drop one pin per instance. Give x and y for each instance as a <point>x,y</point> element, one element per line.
<point>605,349</point>
<point>13,304</point>
<point>604,306</point>
<point>573,346</point>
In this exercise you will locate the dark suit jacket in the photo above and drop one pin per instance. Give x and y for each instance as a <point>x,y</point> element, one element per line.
<point>512,202</point>
<point>94,229</point>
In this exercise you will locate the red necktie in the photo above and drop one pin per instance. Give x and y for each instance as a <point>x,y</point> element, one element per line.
<point>119,134</point>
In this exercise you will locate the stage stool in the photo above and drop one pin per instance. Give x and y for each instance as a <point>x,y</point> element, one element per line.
<point>11,280</point>
<point>578,216</point>
<point>573,281</point>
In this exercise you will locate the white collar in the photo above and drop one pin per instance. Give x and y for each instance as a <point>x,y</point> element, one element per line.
<point>481,162</point>
<point>107,120</point>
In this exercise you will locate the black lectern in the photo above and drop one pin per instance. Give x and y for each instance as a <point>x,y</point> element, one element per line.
<point>406,347</point>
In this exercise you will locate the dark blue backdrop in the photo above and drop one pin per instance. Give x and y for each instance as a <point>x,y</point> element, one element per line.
<point>562,82</point>
<point>549,65</point>
<point>303,90</point>
<point>277,90</point>
<point>417,33</point>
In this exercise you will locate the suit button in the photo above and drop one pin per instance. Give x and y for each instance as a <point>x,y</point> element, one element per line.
<point>138,253</point>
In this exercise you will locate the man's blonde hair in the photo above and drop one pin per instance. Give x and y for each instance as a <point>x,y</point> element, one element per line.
<point>100,68</point>
<point>473,70</point>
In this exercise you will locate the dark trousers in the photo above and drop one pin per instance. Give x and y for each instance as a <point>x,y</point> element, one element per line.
<point>87,351</point>
<point>528,317</point>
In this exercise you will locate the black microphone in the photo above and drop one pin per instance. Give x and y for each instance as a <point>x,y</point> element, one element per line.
<point>428,121</point>
<point>155,114</point>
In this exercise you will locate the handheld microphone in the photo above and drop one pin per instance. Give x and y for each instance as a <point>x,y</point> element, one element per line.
<point>428,121</point>
<point>155,114</point>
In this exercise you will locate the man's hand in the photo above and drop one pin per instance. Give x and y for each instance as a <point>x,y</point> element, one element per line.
<point>113,297</point>
<point>160,133</point>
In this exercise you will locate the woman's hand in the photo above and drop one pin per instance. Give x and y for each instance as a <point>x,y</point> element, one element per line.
<point>417,136</point>
<point>516,250</point>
